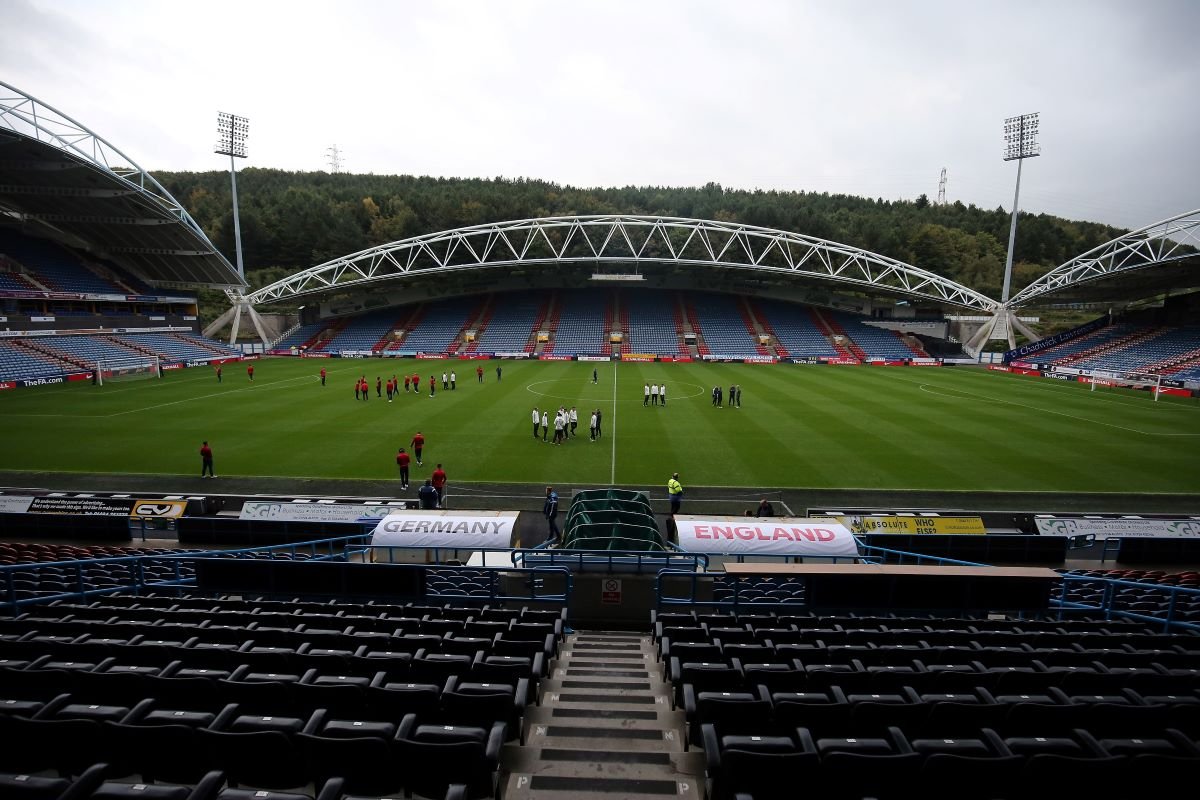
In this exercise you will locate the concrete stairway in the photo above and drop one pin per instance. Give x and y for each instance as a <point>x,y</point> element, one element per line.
<point>604,728</point>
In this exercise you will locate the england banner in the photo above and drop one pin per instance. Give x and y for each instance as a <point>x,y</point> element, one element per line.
<point>475,530</point>
<point>787,536</point>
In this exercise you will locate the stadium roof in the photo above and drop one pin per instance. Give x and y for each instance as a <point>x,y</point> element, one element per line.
<point>687,251</point>
<point>1163,256</point>
<point>59,179</point>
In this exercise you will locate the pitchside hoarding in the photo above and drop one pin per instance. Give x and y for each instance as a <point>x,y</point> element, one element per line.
<point>473,530</point>
<point>894,523</point>
<point>787,536</point>
<point>314,512</point>
<point>1120,528</point>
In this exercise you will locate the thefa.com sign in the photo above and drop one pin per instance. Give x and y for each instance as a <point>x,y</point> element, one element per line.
<point>791,536</point>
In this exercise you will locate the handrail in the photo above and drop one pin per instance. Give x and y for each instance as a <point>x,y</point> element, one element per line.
<point>594,558</point>
<point>1108,604</point>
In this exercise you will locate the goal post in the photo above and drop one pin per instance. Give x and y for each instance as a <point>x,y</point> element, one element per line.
<point>1151,382</point>
<point>121,369</point>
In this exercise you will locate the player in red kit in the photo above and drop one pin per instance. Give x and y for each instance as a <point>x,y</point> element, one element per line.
<point>402,461</point>
<point>322,376</point>
<point>250,372</point>
<point>206,460</point>
<point>417,444</point>
<point>432,385</point>
<point>406,382</point>
<point>439,482</point>
<point>479,374</point>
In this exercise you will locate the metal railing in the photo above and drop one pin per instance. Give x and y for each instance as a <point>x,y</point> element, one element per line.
<point>609,560</point>
<point>1109,604</point>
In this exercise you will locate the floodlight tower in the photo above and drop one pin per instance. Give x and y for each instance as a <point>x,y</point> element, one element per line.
<point>1020,143</point>
<point>232,131</point>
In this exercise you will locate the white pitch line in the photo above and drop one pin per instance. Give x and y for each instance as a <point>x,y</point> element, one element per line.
<point>612,480</point>
<point>206,396</point>
<point>924,387</point>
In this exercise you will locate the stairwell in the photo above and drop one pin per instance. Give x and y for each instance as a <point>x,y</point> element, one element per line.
<point>681,330</point>
<point>198,342</point>
<point>386,340</point>
<point>693,320</point>
<point>830,330</point>
<point>132,346</point>
<point>551,325</point>
<point>912,343</point>
<point>609,320</point>
<point>604,728</point>
<point>410,324</point>
<point>324,336</point>
<point>57,355</point>
<point>485,316</point>
<point>763,326</point>
<point>531,344</point>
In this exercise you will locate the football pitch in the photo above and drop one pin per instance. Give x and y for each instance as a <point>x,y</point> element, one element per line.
<point>798,427</point>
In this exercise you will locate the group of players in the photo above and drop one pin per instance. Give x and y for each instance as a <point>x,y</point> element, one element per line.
<point>566,420</point>
<point>735,396</point>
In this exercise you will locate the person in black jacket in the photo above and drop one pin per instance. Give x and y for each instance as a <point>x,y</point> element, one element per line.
<point>765,509</point>
<point>428,495</point>
<point>550,512</point>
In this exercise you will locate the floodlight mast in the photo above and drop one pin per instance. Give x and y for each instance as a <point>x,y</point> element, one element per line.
<point>232,131</point>
<point>1020,143</point>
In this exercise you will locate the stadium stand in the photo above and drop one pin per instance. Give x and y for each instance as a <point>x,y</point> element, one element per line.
<point>793,329</point>
<point>873,342</point>
<point>438,327</point>
<point>1087,344</point>
<point>303,336</point>
<point>510,324</point>
<point>1154,351</point>
<point>719,320</point>
<point>18,362</point>
<point>176,347</point>
<point>363,333</point>
<point>652,323</point>
<point>56,267</point>
<point>87,350</point>
<point>581,323</point>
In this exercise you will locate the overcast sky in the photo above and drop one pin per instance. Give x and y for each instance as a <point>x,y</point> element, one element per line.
<point>864,98</point>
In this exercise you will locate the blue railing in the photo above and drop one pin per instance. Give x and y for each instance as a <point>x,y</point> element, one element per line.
<point>182,570</point>
<point>608,560</point>
<point>1110,601</point>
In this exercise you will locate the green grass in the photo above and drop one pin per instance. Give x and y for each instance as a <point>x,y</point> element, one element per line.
<point>799,426</point>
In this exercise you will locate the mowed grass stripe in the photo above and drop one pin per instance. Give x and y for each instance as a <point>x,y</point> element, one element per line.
<point>803,426</point>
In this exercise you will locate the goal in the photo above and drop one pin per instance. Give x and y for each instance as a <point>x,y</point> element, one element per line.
<point>1150,382</point>
<point>121,369</point>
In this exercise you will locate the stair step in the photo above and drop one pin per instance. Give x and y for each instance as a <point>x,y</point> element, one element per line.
<point>636,719</point>
<point>550,772</point>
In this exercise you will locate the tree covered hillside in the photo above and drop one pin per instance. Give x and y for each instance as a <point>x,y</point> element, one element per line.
<point>292,220</point>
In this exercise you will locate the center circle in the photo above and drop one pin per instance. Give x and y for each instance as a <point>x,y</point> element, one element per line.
<point>700,390</point>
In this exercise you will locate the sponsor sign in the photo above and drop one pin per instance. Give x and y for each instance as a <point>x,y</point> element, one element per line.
<point>173,365</point>
<point>594,358</point>
<point>431,355</point>
<point>510,355</point>
<point>759,360</point>
<point>311,355</point>
<point>683,359</point>
<point>638,356</point>
<point>27,382</point>
<point>779,535</point>
<point>1050,341</point>
<point>1120,528</point>
<point>924,362</point>
<point>840,360</point>
<point>1059,376</point>
<point>473,530</point>
<point>314,512</point>
<point>474,356</point>
<point>610,591</point>
<point>1023,365</point>
<point>82,506</point>
<point>1019,371</point>
<point>553,357</point>
<point>158,509</point>
<point>893,523</point>
<point>348,354</point>
<point>803,360</point>
<point>998,368</point>
<point>886,362</point>
<point>41,319</point>
<point>14,503</point>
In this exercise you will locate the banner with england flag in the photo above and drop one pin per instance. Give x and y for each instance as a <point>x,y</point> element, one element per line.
<point>784,536</point>
<point>465,530</point>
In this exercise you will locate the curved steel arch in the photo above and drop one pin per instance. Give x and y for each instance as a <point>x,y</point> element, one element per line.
<point>625,239</point>
<point>1164,242</point>
<point>24,114</point>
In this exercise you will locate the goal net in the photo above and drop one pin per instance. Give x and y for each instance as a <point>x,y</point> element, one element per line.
<point>1147,382</point>
<point>123,369</point>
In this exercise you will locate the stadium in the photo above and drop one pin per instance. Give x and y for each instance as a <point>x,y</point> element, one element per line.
<point>812,528</point>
